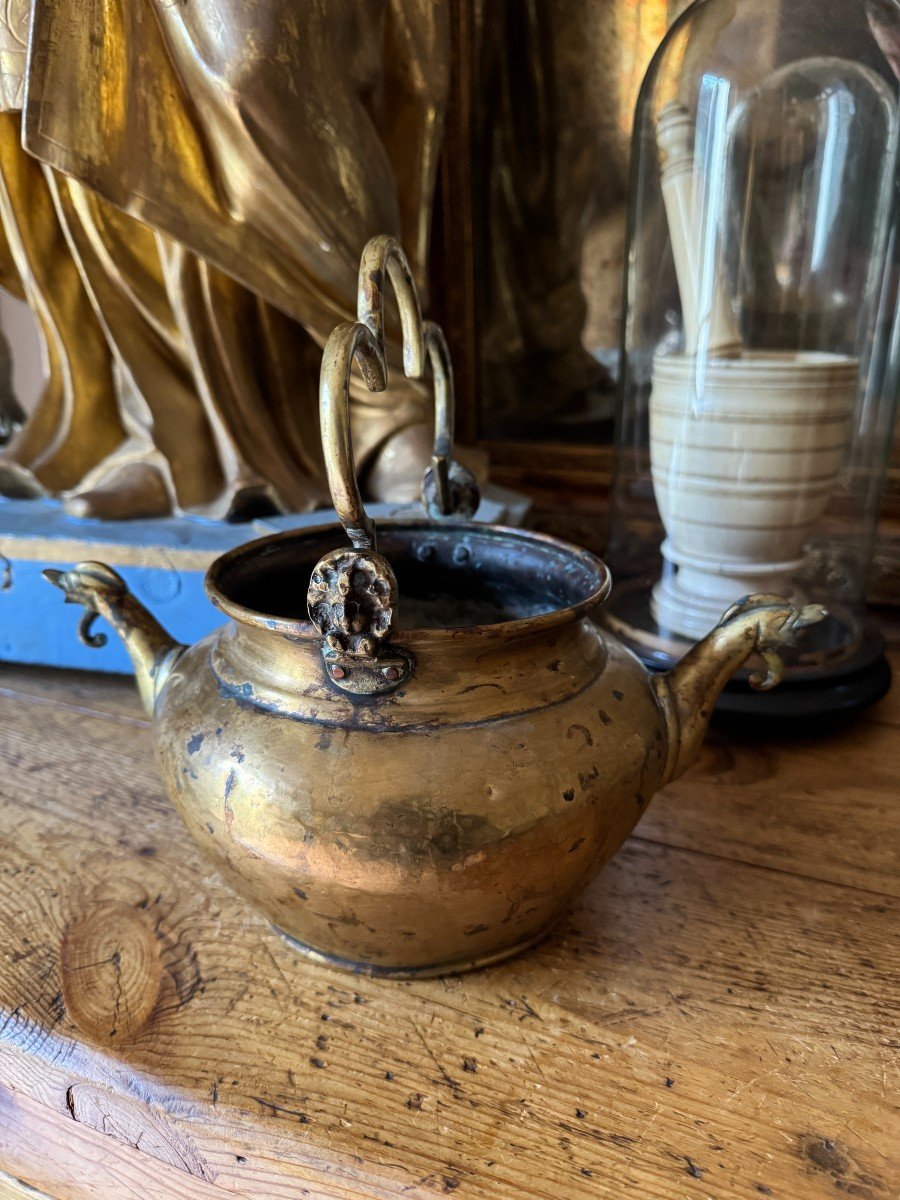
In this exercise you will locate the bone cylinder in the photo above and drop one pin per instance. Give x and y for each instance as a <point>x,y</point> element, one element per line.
<point>706,312</point>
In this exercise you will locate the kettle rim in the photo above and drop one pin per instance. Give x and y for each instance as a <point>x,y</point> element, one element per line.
<point>586,576</point>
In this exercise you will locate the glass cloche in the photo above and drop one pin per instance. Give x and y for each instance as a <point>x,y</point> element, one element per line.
<point>762,333</point>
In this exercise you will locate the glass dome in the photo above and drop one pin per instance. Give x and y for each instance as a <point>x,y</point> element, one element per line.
<point>762,338</point>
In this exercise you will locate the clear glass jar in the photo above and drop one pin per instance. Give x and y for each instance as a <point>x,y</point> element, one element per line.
<point>762,334</point>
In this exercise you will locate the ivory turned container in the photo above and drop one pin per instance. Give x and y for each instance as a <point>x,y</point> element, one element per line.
<point>745,454</point>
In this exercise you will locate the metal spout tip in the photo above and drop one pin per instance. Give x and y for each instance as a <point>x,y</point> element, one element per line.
<point>810,614</point>
<point>55,577</point>
<point>67,582</point>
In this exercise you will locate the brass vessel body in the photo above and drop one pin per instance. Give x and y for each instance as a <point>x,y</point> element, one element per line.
<point>441,826</point>
<point>448,823</point>
<point>414,765</point>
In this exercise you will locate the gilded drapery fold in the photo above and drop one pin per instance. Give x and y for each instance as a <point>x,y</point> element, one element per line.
<point>213,171</point>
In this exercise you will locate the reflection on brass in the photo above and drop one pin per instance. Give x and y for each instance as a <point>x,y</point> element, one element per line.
<point>449,821</point>
<point>185,220</point>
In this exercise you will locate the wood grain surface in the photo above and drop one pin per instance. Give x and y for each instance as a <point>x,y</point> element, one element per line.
<point>717,1018</point>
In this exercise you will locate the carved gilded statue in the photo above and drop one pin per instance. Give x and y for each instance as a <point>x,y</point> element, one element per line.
<point>184,193</point>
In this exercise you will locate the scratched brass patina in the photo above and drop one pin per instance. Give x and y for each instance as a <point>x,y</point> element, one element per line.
<point>422,777</point>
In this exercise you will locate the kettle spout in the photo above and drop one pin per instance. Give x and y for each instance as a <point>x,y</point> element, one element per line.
<point>763,625</point>
<point>104,593</point>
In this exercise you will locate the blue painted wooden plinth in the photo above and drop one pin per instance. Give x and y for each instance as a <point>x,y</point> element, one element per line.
<point>162,561</point>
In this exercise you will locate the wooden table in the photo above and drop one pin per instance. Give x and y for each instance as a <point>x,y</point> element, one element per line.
<point>718,1018</point>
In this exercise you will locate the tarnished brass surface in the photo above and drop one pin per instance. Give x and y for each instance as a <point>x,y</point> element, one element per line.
<point>102,593</point>
<point>448,823</point>
<point>185,191</point>
<point>434,802</point>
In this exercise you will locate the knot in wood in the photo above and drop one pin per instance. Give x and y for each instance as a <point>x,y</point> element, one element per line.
<point>111,971</point>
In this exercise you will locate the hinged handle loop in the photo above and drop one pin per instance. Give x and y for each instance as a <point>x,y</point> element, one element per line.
<point>353,592</point>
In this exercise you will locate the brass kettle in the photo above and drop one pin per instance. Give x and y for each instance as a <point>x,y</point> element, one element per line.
<point>427,794</point>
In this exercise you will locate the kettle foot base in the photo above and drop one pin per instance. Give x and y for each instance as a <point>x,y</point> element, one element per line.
<point>428,971</point>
